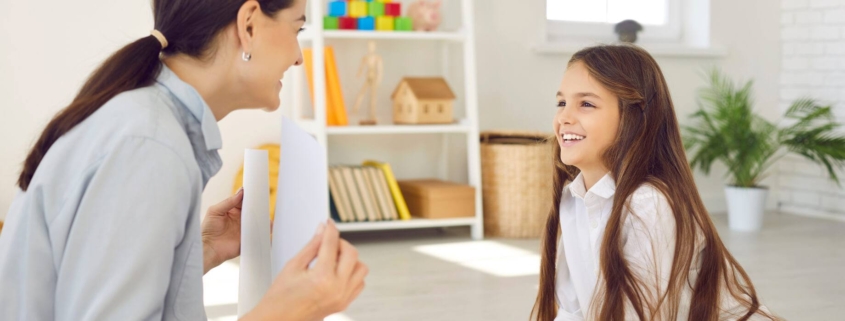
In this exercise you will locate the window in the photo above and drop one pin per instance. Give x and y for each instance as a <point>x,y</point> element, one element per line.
<point>594,20</point>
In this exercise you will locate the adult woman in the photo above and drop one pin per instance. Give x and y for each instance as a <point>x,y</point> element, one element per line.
<point>107,224</point>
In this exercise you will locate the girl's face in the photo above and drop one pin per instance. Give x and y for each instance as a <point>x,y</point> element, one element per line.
<point>587,119</point>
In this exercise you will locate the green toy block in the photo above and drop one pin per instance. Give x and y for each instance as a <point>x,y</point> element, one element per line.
<point>404,24</point>
<point>376,8</point>
<point>331,23</point>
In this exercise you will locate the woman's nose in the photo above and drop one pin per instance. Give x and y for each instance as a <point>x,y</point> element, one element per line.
<point>298,60</point>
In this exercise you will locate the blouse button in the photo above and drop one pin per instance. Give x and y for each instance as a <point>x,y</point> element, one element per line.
<point>594,223</point>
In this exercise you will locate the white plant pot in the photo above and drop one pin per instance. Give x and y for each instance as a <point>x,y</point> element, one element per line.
<point>745,208</point>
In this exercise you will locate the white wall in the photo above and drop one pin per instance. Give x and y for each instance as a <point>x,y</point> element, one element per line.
<point>813,35</point>
<point>41,69</point>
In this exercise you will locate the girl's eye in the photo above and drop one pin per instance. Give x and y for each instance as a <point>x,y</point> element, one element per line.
<point>561,103</point>
<point>587,104</point>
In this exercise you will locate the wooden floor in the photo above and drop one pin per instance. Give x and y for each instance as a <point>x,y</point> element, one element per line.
<point>796,263</point>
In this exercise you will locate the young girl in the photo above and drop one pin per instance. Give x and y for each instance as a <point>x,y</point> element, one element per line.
<point>629,237</point>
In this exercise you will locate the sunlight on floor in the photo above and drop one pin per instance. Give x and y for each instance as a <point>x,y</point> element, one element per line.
<point>338,317</point>
<point>486,256</point>
<point>221,294</point>
<point>221,285</point>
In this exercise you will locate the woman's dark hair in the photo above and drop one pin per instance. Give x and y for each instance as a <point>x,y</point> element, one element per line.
<point>190,27</point>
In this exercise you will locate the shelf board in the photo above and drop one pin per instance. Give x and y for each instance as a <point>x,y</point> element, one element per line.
<point>414,223</point>
<point>391,129</point>
<point>397,129</point>
<point>309,34</point>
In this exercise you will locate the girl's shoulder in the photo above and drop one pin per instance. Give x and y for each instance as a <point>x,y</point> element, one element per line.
<point>649,204</point>
<point>648,194</point>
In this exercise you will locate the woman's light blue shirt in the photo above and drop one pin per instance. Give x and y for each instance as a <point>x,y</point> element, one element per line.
<point>109,228</point>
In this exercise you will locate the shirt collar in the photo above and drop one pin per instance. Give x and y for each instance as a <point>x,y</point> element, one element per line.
<point>604,188</point>
<point>191,100</point>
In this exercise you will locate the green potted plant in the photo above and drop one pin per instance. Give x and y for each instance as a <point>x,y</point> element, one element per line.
<point>725,129</point>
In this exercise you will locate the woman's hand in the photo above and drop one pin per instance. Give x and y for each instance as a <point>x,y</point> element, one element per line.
<point>302,294</point>
<point>221,232</point>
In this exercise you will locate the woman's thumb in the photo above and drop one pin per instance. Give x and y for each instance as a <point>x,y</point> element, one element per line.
<point>234,201</point>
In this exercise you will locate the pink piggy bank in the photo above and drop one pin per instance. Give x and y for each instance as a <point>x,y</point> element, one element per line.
<point>425,14</point>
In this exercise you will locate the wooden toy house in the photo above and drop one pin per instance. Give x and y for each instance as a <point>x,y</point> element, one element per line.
<point>423,101</point>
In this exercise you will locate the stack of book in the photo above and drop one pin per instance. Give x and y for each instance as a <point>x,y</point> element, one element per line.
<point>367,193</point>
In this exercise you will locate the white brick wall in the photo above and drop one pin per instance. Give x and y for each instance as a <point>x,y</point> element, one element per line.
<point>813,36</point>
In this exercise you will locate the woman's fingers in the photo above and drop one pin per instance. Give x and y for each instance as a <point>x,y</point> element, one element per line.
<point>347,260</point>
<point>358,276</point>
<point>357,292</point>
<point>357,282</point>
<point>327,257</point>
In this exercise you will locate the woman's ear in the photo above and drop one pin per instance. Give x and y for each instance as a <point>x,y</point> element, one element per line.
<point>246,24</point>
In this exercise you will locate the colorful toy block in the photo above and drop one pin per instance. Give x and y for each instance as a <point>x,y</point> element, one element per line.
<point>404,24</point>
<point>393,9</point>
<point>367,23</point>
<point>331,23</point>
<point>384,1</point>
<point>337,8</point>
<point>384,23</point>
<point>376,8</point>
<point>357,9</point>
<point>348,23</point>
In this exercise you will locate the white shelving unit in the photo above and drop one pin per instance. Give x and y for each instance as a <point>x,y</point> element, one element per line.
<point>315,36</point>
<point>310,34</point>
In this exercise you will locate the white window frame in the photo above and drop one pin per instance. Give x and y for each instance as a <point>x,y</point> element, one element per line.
<point>571,31</point>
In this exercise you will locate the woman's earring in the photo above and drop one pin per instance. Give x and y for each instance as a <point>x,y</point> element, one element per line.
<point>246,56</point>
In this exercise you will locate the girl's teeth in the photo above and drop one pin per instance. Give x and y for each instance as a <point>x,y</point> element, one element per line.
<point>572,137</point>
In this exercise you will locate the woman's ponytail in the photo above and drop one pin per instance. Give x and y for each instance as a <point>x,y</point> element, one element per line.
<point>134,66</point>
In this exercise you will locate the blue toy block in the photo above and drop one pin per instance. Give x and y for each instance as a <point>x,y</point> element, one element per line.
<point>337,8</point>
<point>367,23</point>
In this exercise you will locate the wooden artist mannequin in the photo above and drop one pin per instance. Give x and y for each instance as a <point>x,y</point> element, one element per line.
<point>374,66</point>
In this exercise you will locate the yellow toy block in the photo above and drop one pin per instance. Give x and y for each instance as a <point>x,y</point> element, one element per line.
<point>384,23</point>
<point>357,9</point>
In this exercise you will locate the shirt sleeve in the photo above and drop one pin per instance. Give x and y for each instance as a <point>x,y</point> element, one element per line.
<point>120,249</point>
<point>649,243</point>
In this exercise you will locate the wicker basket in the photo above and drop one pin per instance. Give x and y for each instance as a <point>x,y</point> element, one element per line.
<point>516,172</point>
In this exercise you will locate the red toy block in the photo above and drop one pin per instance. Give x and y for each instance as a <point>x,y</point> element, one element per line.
<point>393,9</point>
<point>348,23</point>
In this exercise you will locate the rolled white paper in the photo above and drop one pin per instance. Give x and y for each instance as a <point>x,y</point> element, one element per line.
<point>255,276</point>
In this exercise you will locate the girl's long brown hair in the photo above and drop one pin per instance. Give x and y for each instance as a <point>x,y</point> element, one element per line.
<point>648,150</point>
<point>190,27</point>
